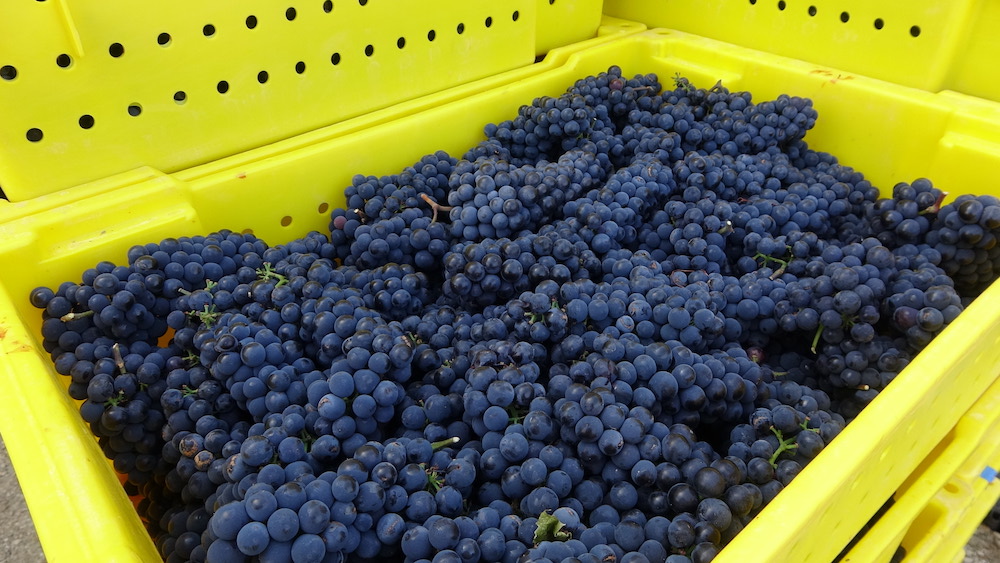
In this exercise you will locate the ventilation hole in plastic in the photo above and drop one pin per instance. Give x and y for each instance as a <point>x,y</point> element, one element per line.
<point>300,67</point>
<point>363,2</point>
<point>335,58</point>
<point>64,60</point>
<point>781,4</point>
<point>324,207</point>
<point>915,31</point>
<point>551,2</point>
<point>879,24</point>
<point>180,96</point>
<point>460,29</point>
<point>431,35</point>
<point>812,11</point>
<point>262,76</point>
<point>844,16</point>
<point>286,220</point>
<point>251,22</point>
<point>86,121</point>
<point>208,30</point>
<point>34,134</point>
<point>116,50</point>
<point>163,39</point>
<point>489,22</point>
<point>134,110</point>
<point>753,2</point>
<point>290,14</point>
<point>8,72</point>
<point>369,50</point>
<point>222,86</point>
<point>515,15</point>
<point>401,42</point>
<point>327,6</point>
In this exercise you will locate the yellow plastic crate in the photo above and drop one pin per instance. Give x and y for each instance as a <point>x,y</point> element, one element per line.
<point>89,89</point>
<point>925,44</point>
<point>939,507</point>
<point>285,189</point>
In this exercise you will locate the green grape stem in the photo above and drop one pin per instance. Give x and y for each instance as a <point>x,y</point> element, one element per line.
<point>444,443</point>
<point>267,272</point>
<point>784,445</point>
<point>815,342</point>
<point>73,316</point>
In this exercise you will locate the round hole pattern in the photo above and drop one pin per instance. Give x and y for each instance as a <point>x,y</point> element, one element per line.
<point>286,221</point>
<point>86,121</point>
<point>324,207</point>
<point>877,23</point>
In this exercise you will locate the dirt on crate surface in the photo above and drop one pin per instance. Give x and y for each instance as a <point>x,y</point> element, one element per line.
<point>19,544</point>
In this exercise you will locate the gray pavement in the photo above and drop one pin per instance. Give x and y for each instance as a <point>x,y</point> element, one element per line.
<point>18,542</point>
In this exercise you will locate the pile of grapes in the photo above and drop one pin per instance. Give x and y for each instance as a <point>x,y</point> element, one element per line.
<point>613,331</point>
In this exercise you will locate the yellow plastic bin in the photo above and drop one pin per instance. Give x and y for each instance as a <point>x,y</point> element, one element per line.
<point>890,132</point>
<point>103,87</point>
<point>939,506</point>
<point>925,44</point>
